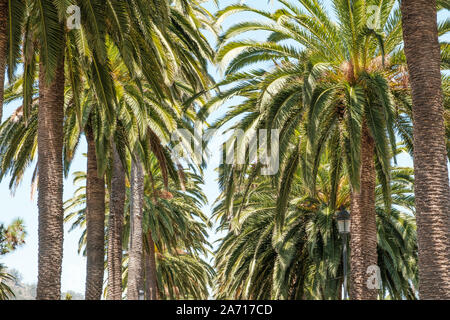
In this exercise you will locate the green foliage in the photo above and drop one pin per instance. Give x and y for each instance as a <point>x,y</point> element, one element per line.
<point>320,82</point>
<point>138,70</point>
<point>174,220</point>
<point>12,236</point>
<point>304,261</point>
<point>5,290</point>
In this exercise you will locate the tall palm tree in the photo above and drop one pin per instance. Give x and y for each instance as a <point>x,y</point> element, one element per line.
<point>95,218</point>
<point>335,85</point>
<point>184,51</point>
<point>50,185</point>
<point>51,39</point>
<point>135,254</point>
<point>45,33</point>
<point>115,227</point>
<point>27,119</point>
<point>432,190</point>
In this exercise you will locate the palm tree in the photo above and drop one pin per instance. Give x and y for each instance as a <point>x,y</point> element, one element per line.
<point>432,190</point>
<point>341,90</point>
<point>115,226</point>
<point>44,32</point>
<point>306,261</point>
<point>169,234</point>
<point>50,146</point>
<point>93,126</point>
<point>50,185</point>
<point>179,34</point>
<point>117,187</point>
<point>135,255</point>
<point>95,218</point>
<point>186,239</point>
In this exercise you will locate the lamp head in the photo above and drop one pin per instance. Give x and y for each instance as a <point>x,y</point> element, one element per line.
<point>343,220</point>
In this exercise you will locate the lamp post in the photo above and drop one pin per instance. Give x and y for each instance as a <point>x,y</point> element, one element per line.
<point>343,221</point>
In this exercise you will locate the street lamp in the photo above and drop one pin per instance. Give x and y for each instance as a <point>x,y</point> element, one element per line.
<point>343,222</point>
<point>141,294</point>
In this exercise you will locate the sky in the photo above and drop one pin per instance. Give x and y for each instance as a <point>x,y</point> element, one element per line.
<point>20,205</point>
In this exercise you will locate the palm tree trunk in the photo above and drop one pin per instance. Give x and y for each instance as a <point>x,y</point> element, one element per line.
<point>363,243</point>
<point>151,280</point>
<point>95,223</point>
<point>115,227</point>
<point>430,161</point>
<point>50,183</point>
<point>135,283</point>
<point>3,48</point>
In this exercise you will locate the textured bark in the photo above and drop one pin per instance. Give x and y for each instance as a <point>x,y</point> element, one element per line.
<point>363,242</point>
<point>115,227</point>
<point>50,183</point>
<point>3,48</point>
<point>151,281</point>
<point>135,282</point>
<point>95,223</point>
<point>430,160</point>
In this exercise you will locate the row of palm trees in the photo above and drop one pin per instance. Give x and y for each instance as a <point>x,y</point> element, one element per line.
<point>137,70</point>
<point>339,90</point>
<point>173,232</point>
<point>121,80</point>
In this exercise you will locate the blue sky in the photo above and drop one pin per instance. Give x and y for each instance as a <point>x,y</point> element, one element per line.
<point>20,205</point>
